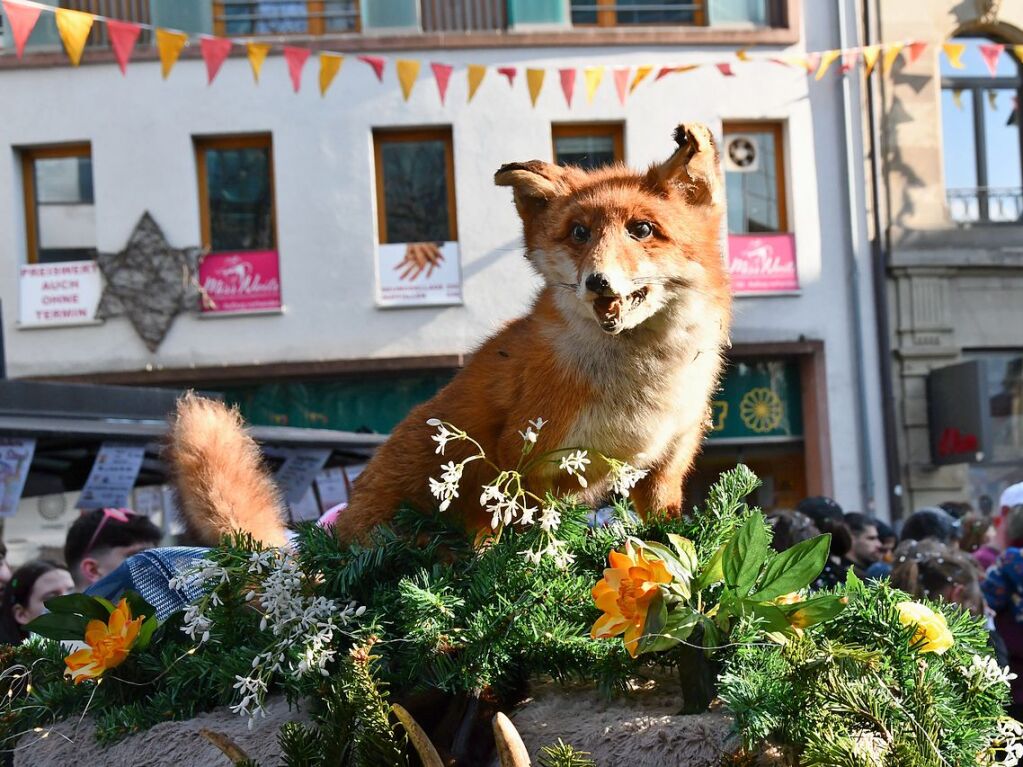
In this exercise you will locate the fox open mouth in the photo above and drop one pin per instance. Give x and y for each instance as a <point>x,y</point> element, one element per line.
<point>609,309</point>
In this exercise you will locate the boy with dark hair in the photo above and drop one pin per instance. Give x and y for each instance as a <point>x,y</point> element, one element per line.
<point>866,543</point>
<point>99,541</point>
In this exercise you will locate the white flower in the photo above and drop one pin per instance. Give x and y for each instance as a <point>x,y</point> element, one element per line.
<point>526,518</point>
<point>433,422</point>
<point>550,519</point>
<point>575,463</point>
<point>538,424</point>
<point>984,672</point>
<point>446,489</point>
<point>528,435</point>
<point>442,437</point>
<point>624,476</point>
<point>1008,741</point>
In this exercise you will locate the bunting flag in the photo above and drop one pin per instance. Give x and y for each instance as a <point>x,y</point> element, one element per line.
<point>1014,115</point>
<point>442,74</point>
<point>296,59</point>
<point>169,44</point>
<point>476,73</point>
<point>567,84</point>
<point>813,61</point>
<point>890,54</point>
<point>73,27</point>
<point>992,100</point>
<point>641,75</point>
<point>849,60</point>
<point>377,63</point>
<point>915,50</point>
<point>214,51</point>
<point>123,37</point>
<point>508,72</point>
<point>257,55</point>
<point>742,54</point>
<point>330,65</point>
<point>954,52</point>
<point>621,76</point>
<point>827,59</point>
<point>592,76</point>
<point>665,71</point>
<point>726,69</point>
<point>408,71</point>
<point>1018,51</point>
<point>957,98</point>
<point>22,19</point>
<point>534,80</point>
<point>991,52</point>
<point>870,54</point>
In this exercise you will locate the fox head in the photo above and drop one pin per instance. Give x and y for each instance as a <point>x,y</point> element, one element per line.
<point>620,246</point>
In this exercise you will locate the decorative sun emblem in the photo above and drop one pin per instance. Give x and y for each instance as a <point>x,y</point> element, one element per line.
<point>742,152</point>
<point>761,410</point>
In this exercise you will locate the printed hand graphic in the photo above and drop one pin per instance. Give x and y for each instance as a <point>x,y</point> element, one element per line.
<point>419,256</point>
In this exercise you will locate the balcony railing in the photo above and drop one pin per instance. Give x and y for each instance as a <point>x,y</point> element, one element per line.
<point>986,205</point>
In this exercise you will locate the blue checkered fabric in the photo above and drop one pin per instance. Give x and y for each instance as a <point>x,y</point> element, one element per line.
<point>148,573</point>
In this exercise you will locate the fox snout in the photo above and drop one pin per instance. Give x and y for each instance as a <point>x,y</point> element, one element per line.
<point>599,283</point>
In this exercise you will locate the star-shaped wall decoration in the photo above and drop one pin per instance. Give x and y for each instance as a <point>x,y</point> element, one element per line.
<point>149,282</point>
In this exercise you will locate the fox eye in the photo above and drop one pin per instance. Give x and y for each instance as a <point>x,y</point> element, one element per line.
<point>580,233</point>
<point>641,229</point>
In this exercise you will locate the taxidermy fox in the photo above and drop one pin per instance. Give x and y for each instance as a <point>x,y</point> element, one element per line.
<point>619,354</point>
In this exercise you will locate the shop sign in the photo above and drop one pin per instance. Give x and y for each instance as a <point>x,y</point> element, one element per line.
<point>300,467</point>
<point>762,263</point>
<point>240,282</point>
<point>958,413</point>
<point>15,460</point>
<point>418,274</point>
<point>64,293</point>
<point>112,476</point>
<point>759,399</point>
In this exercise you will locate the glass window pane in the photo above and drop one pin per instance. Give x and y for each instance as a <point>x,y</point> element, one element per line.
<point>745,12</point>
<point>240,199</point>
<point>751,183</point>
<point>584,11</point>
<point>1004,371</point>
<point>973,62</point>
<point>65,211</point>
<point>63,179</point>
<point>1004,171</point>
<point>415,183</point>
<point>959,150</point>
<point>585,151</point>
<point>281,17</point>
<point>340,15</point>
<point>664,12</point>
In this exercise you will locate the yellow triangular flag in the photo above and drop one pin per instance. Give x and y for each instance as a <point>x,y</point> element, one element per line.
<point>992,100</point>
<point>890,54</point>
<point>640,76</point>
<point>954,51</point>
<point>408,71</point>
<point>534,79</point>
<point>593,76</point>
<point>800,62</point>
<point>827,59</point>
<point>169,44</point>
<point>74,29</point>
<point>957,98</point>
<point>870,54</point>
<point>330,65</point>
<point>476,74</point>
<point>1018,51</point>
<point>742,55</point>
<point>257,55</point>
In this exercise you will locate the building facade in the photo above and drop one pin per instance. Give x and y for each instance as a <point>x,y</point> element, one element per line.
<point>376,221</point>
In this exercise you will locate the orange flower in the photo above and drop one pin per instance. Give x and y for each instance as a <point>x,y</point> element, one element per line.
<point>625,593</point>
<point>109,644</point>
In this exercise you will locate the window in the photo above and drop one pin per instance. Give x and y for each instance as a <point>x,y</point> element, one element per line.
<point>588,145</point>
<point>415,186</point>
<point>272,17</point>
<point>60,213</point>
<point>755,178</point>
<point>610,13</point>
<point>982,138</point>
<point>236,193</point>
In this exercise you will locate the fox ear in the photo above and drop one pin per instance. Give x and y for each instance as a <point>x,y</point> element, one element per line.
<point>694,168</point>
<point>535,180</point>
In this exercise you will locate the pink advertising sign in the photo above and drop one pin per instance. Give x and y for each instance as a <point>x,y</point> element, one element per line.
<point>762,263</point>
<point>242,281</point>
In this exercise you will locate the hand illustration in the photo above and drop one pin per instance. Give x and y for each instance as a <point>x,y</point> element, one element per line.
<point>419,256</point>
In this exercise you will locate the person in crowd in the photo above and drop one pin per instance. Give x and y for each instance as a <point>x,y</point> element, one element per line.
<point>866,543</point>
<point>5,567</point>
<point>1003,590</point>
<point>931,522</point>
<point>790,528</point>
<point>25,596</point>
<point>979,539</point>
<point>882,568</point>
<point>957,509</point>
<point>828,517</point>
<point>1011,497</point>
<point>99,541</point>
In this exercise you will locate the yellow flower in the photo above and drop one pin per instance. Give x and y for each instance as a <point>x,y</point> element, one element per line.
<point>932,632</point>
<point>625,593</point>
<point>109,644</point>
<point>791,598</point>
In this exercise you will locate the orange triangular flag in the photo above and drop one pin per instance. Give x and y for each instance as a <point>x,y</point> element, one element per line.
<point>476,74</point>
<point>408,71</point>
<point>954,52</point>
<point>593,76</point>
<point>890,54</point>
<point>534,79</point>
<point>74,29</point>
<point>257,55</point>
<point>915,50</point>
<point>870,54</point>
<point>330,65</point>
<point>742,55</point>
<point>169,44</point>
<point>827,59</point>
<point>1018,52</point>
<point>641,75</point>
<point>622,83</point>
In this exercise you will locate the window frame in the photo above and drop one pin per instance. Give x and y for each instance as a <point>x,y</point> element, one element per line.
<point>201,144</point>
<point>406,135</point>
<point>576,130</point>
<point>607,16</point>
<point>777,128</point>
<point>314,16</point>
<point>29,155</point>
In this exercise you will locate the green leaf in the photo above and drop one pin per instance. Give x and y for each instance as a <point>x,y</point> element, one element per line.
<point>686,551</point>
<point>713,572</point>
<point>106,603</point>
<point>656,620</point>
<point>677,629</point>
<point>793,569</point>
<point>745,554</point>
<point>149,625</point>
<point>59,626</point>
<point>78,604</point>
<point>771,617</point>
<point>812,611</point>
<point>138,605</point>
<point>682,575</point>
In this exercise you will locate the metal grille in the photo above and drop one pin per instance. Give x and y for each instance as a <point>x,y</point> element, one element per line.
<point>985,205</point>
<point>463,15</point>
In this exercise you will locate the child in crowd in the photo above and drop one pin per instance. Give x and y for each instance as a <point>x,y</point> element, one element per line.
<point>99,541</point>
<point>979,538</point>
<point>24,598</point>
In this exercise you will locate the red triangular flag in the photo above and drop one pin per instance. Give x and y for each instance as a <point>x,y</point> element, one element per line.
<point>849,60</point>
<point>567,84</point>
<point>214,51</point>
<point>725,69</point>
<point>296,58</point>
<point>442,73</point>
<point>123,36</point>
<point>377,63</point>
<point>991,52</point>
<point>508,72</point>
<point>22,18</point>
<point>813,62</point>
<point>664,71</point>
<point>915,50</point>
<point>622,83</point>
